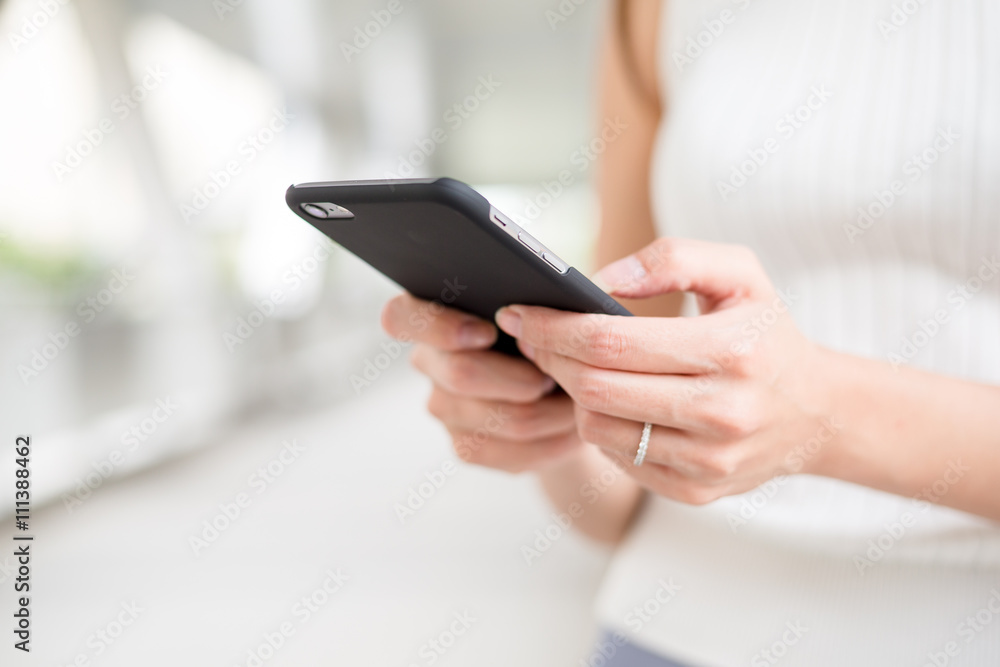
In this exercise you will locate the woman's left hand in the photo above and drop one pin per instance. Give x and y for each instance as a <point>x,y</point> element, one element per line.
<point>735,395</point>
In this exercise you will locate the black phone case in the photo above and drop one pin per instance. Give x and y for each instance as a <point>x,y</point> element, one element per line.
<point>435,238</point>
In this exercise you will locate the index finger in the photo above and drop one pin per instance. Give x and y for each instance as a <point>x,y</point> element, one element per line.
<point>409,319</point>
<point>677,345</point>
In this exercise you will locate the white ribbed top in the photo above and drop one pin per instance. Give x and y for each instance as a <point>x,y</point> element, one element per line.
<point>917,107</point>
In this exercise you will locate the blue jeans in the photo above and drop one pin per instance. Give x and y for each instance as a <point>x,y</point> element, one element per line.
<point>614,650</point>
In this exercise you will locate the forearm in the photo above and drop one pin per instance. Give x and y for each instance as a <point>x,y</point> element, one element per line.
<point>598,496</point>
<point>913,433</point>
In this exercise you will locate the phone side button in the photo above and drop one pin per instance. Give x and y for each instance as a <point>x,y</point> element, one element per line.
<point>555,262</point>
<point>530,242</point>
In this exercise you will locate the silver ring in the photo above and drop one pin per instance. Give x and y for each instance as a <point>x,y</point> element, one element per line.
<point>640,455</point>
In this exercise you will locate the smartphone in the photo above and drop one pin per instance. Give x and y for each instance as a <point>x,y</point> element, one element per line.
<point>442,241</point>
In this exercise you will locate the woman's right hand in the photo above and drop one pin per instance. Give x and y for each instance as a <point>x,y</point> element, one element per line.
<point>500,411</point>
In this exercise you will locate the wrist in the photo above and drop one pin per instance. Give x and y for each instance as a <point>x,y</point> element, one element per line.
<point>597,493</point>
<point>572,462</point>
<point>825,451</point>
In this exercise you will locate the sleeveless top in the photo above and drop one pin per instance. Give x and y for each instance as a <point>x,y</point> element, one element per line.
<point>854,145</point>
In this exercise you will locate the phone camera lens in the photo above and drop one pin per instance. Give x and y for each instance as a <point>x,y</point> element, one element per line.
<point>325,210</point>
<point>315,211</point>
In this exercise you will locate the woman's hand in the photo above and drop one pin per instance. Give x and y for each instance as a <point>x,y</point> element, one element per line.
<point>733,394</point>
<point>499,410</point>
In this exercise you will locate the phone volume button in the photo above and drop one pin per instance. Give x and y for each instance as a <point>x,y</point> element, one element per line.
<point>555,262</point>
<point>530,242</point>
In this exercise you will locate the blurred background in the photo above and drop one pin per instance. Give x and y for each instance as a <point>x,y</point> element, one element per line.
<point>176,342</point>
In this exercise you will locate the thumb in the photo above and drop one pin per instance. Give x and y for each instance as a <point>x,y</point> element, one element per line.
<point>722,275</point>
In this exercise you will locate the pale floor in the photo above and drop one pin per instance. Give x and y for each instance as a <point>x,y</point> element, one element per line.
<point>332,508</point>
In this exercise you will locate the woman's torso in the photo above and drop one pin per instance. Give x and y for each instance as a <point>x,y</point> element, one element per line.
<point>857,152</point>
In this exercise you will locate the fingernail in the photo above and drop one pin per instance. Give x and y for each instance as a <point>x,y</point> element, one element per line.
<point>476,334</point>
<point>626,272</point>
<point>510,321</point>
<point>527,350</point>
<point>548,385</point>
